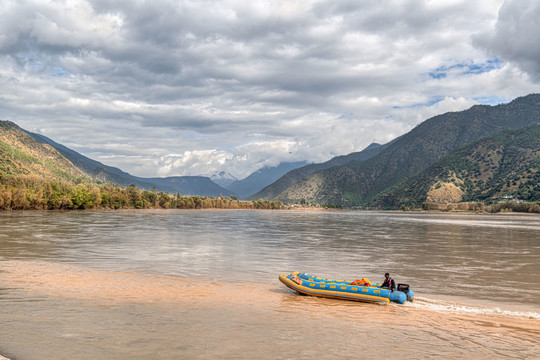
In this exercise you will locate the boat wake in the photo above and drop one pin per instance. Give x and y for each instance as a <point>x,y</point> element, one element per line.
<point>443,306</point>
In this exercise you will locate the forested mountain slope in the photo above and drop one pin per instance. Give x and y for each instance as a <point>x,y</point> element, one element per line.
<point>356,184</point>
<point>503,165</point>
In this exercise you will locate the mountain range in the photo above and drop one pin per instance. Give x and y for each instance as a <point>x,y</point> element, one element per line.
<point>358,182</point>
<point>35,146</point>
<point>186,185</point>
<point>478,154</point>
<point>504,165</point>
<point>274,190</point>
<point>261,178</point>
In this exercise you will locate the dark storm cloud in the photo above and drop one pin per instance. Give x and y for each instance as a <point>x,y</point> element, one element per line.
<point>517,35</point>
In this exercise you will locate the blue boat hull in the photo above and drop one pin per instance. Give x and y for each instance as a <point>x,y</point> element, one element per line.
<point>341,289</point>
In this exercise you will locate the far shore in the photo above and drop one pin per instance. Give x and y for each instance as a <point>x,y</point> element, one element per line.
<point>293,208</point>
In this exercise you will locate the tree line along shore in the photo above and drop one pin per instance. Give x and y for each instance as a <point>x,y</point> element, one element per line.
<point>480,207</point>
<point>36,193</point>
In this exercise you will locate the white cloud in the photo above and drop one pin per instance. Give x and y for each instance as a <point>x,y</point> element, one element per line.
<point>517,35</point>
<point>168,87</point>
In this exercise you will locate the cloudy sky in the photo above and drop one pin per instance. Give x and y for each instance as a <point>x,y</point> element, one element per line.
<point>193,87</point>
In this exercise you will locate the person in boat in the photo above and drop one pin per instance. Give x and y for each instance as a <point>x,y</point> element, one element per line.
<point>388,283</point>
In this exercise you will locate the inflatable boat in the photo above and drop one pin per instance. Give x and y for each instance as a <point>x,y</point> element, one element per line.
<point>346,290</point>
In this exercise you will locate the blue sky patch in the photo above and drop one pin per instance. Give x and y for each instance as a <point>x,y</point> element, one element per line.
<point>431,102</point>
<point>45,65</point>
<point>58,72</point>
<point>490,100</point>
<point>466,68</point>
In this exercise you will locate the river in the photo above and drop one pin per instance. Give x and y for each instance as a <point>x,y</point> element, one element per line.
<point>173,284</point>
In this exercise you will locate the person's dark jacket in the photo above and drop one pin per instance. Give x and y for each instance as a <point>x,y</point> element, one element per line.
<point>389,283</point>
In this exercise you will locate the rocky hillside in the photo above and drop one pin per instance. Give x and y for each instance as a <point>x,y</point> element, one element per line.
<point>358,183</point>
<point>20,155</point>
<point>505,165</point>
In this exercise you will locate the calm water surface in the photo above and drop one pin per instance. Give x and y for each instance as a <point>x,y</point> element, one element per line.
<point>203,284</point>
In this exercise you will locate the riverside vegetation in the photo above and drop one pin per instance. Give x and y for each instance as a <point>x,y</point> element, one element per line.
<point>32,192</point>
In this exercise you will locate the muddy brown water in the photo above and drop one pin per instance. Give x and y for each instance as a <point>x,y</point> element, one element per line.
<point>204,284</point>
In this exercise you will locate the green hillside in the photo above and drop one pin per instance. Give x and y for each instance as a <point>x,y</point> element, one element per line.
<point>356,184</point>
<point>21,155</point>
<point>505,165</point>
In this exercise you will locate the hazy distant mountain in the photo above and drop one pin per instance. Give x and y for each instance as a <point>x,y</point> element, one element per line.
<point>504,164</point>
<point>185,185</point>
<point>262,178</point>
<point>292,177</point>
<point>357,183</point>
<point>223,179</point>
<point>189,185</point>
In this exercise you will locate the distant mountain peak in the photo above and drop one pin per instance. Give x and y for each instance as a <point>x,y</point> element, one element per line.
<point>262,178</point>
<point>223,178</point>
<point>373,146</point>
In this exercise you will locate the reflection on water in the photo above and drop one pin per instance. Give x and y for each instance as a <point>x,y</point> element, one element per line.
<point>203,284</point>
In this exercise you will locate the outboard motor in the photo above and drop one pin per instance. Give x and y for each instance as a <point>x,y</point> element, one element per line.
<point>405,289</point>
